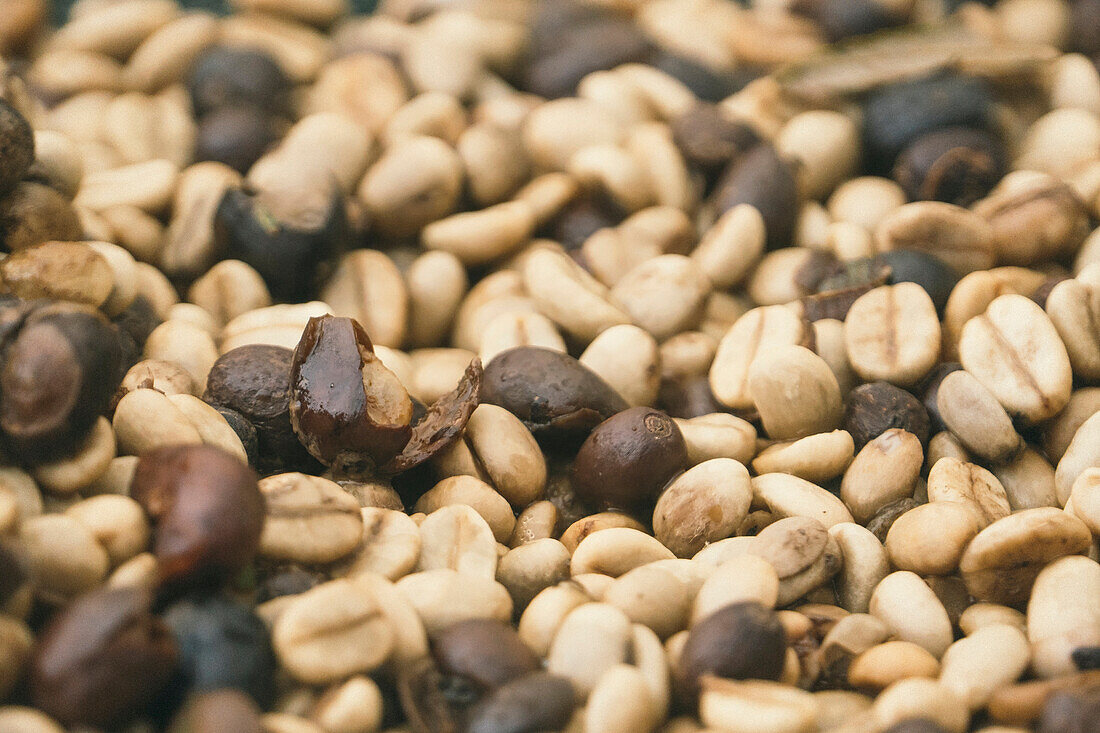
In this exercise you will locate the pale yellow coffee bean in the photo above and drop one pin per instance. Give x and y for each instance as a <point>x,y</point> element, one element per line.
<point>756,706</point>
<point>992,657</point>
<point>953,480</point>
<point>707,502</point>
<point>816,458</point>
<point>884,664</point>
<point>892,333</point>
<point>1002,561</point>
<point>865,564</point>
<point>905,603</point>
<point>884,471</point>
<point>790,496</point>
<point>615,551</point>
<point>1015,351</point>
<point>921,698</point>
<point>754,333</point>
<point>795,392</point>
<point>930,539</point>
<point>627,358</point>
<point>368,287</point>
<point>973,414</point>
<point>332,631</point>
<point>1062,614</point>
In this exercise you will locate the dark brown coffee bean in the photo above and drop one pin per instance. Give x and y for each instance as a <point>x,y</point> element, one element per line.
<point>1084,26</point>
<point>16,146</point>
<point>841,19</point>
<point>958,165</point>
<point>438,426</point>
<point>536,702</point>
<point>254,380</point>
<point>1086,657</point>
<point>628,459</point>
<point>739,641</point>
<point>34,213</point>
<point>710,140</point>
<point>218,711</point>
<point>235,135</point>
<point>876,407</point>
<point>705,82</point>
<point>581,218</point>
<point>930,272</point>
<point>244,430</point>
<point>207,513</point>
<point>134,326</point>
<point>762,179</point>
<point>487,652</point>
<point>1071,711</point>
<point>559,399</point>
<point>223,645</point>
<point>688,398</point>
<point>231,76</point>
<point>896,115</point>
<point>345,405</point>
<point>579,48</point>
<point>292,238</point>
<point>58,376</point>
<point>880,524</point>
<point>102,659</point>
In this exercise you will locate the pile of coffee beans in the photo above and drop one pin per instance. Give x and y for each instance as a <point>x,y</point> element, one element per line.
<point>530,366</point>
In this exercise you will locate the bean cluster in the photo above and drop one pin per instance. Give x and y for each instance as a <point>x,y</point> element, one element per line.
<point>595,366</point>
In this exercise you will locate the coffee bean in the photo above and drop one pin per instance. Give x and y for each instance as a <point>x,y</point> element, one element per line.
<point>309,519</point>
<point>59,374</point>
<point>740,641</point>
<point>1034,216</point>
<point>596,44</point>
<point>235,135</point>
<point>930,272</point>
<point>254,380</point>
<point>488,653</point>
<point>102,659</point>
<point>876,407</point>
<point>291,237</point>
<point>33,213</point>
<point>842,20</point>
<point>1014,350</point>
<point>1071,711</point>
<point>959,165</point>
<point>218,710</point>
<point>226,76</point>
<point>763,179</point>
<point>222,644</point>
<point>896,115</point>
<point>536,701</point>
<point>345,405</point>
<point>332,631</point>
<point>206,510</point>
<point>916,725</point>
<point>892,333</point>
<point>628,458</point>
<point>710,140</point>
<point>557,398</point>
<point>973,415</point>
<point>16,146</point>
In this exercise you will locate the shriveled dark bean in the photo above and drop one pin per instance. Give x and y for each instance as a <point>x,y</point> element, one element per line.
<point>207,513</point>
<point>896,115</point>
<point>559,399</point>
<point>254,380</point>
<point>880,524</point>
<point>581,218</point>
<point>102,660</point>
<point>874,408</point>
<point>235,135</point>
<point>958,165</point>
<point>628,458</point>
